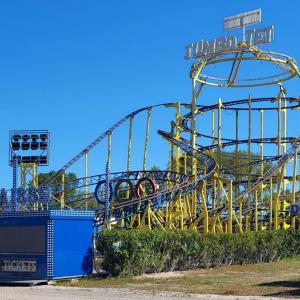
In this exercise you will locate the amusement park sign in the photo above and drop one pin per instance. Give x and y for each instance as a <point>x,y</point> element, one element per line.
<point>18,266</point>
<point>241,20</point>
<point>218,45</point>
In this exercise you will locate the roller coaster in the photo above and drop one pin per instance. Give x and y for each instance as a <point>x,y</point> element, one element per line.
<point>212,182</point>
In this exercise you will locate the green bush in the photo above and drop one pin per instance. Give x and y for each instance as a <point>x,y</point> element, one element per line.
<point>136,252</point>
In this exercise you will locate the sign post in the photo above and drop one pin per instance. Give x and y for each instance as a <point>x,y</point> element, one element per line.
<point>242,20</point>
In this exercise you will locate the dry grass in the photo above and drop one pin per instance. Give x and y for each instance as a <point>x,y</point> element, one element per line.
<point>277,279</point>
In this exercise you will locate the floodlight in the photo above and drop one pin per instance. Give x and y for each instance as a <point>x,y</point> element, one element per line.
<point>34,137</point>
<point>43,160</point>
<point>25,159</point>
<point>43,136</point>
<point>43,145</point>
<point>25,145</point>
<point>26,137</point>
<point>34,145</point>
<point>15,145</point>
<point>34,159</point>
<point>16,137</point>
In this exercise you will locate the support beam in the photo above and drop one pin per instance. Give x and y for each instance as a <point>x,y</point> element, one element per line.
<point>146,139</point>
<point>86,179</point>
<point>62,195</point>
<point>249,147</point>
<point>129,143</point>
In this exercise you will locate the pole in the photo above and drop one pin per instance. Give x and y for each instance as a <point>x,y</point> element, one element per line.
<point>146,139</point>
<point>108,147</point>
<point>219,147</point>
<point>249,147</point>
<point>177,135</point>
<point>107,180</point>
<point>294,186</point>
<point>172,148</point>
<point>62,195</point>
<point>271,204</point>
<point>15,183</point>
<point>284,135</point>
<point>213,155</point>
<point>230,210</point>
<point>261,151</point>
<point>129,143</point>
<point>107,195</point>
<point>236,151</point>
<point>86,179</point>
<point>255,210</point>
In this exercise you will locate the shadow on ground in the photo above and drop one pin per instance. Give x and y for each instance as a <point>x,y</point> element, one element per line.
<point>292,285</point>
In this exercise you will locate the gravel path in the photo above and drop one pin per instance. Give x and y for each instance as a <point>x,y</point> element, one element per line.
<point>52,292</point>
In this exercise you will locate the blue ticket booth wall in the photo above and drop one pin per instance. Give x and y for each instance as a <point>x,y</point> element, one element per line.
<point>45,245</point>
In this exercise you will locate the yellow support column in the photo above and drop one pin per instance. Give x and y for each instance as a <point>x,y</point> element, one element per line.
<point>193,145</point>
<point>255,211</point>
<point>293,221</point>
<point>230,211</point>
<point>277,201</point>
<point>177,135</point>
<point>35,175</point>
<point>249,147</point>
<point>185,165</point>
<point>241,213</point>
<point>271,204</point>
<point>171,145</point>
<point>213,154</point>
<point>236,151</point>
<point>62,195</point>
<point>279,126</point>
<point>129,143</point>
<point>29,175</point>
<point>284,112</point>
<point>181,211</point>
<point>202,192</point>
<point>220,105</point>
<point>35,182</point>
<point>261,150</point>
<point>133,218</point>
<point>146,139</point>
<point>213,129</point>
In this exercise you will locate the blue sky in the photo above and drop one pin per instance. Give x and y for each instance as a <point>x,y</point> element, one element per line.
<point>76,67</point>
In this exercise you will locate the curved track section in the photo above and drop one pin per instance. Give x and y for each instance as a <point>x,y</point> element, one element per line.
<point>172,185</point>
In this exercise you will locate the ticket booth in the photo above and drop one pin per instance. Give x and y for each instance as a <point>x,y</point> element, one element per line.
<point>45,245</point>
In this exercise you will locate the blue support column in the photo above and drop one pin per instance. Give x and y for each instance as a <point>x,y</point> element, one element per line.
<point>107,193</point>
<point>15,184</point>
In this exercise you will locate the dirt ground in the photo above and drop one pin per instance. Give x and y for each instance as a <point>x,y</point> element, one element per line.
<point>279,279</point>
<point>62,293</point>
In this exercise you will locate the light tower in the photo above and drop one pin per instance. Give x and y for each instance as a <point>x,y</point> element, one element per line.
<point>30,149</point>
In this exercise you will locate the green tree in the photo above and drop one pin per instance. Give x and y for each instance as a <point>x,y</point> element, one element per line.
<point>155,168</point>
<point>45,177</point>
<point>70,184</point>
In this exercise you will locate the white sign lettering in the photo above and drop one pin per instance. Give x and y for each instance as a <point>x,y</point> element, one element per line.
<point>218,45</point>
<point>17,266</point>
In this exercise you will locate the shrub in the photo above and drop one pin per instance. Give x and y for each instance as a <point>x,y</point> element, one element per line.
<point>136,252</point>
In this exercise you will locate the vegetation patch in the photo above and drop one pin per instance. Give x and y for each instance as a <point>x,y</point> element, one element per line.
<point>130,253</point>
